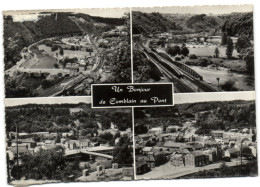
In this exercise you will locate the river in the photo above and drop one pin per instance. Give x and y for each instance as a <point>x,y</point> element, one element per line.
<point>243,82</point>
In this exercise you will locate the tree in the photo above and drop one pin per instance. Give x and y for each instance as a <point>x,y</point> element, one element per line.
<point>160,159</point>
<point>230,48</point>
<point>106,136</point>
<point>122,153</point>
<point>56,65</point>
<point>246,151</point>
<point>45,84</point>
<point>216,52</point>
<point>48,164</point>
<point>58,139</point>
<point>248,55</point>
<point>61,51</point>
<point>229,85</point>
<point>173,51</point>
<point>243,42</point>
<point>224,38</point>
<point>185,51</point>
<point>54,47</point>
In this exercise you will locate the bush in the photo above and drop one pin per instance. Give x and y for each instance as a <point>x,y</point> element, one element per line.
<point>229,85</point>
<point>54,48</point>
<point>243,42</point>
<point>56,66</point>
<point>204,62</point>
<point>173,51</point>
<point>193,56</point>
<point>72,48</point>
<point>45,84</point>
<point>178,58</point>
<point>185,51</point>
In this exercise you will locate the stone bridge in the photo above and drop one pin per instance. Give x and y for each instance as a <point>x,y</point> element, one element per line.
<point>70,153</point>
<point>43,72</point>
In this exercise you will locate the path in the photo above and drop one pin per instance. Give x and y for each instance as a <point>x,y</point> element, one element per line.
<point>167,171</point>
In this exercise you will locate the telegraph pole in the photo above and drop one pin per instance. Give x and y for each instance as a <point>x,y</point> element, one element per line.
<point>17,152</point>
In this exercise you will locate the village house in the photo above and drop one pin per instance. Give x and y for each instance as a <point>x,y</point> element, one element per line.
<point>155,131</point>
<point>173,146</point>
<point>177,160</point>
<point>212,153</point>
<point>172,128</point>
<point>217,134</point>
<point>253,150</point>
<point>141,167</point>
<point>12,152</point>
<point>163,137</point>
<point>232,153</point>
<point>71,144</point>
<point>150,160</point>
<point>30,143</point>
<point>84,143</point>
<point>146,150</point>
<point>197,146</point>
<point>196,159</point>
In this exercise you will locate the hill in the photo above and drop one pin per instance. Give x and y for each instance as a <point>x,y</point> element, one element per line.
<point>205,23</point>
<point>147,23</point>
<point>237,24</point>
<point>18,35</point>
<point>196,23</point>
<point>209,115</point>
<point>59,118</point>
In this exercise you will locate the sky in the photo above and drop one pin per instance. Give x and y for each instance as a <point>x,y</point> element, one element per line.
<point>32,15</point>
<point>214,96</point>
<point>216,9</point>
<point>49,100</point>
<point>178,98</point>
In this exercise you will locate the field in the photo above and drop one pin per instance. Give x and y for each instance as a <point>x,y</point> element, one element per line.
<point>204,50</point>
<point>68,53</point>
<point>40,61</point>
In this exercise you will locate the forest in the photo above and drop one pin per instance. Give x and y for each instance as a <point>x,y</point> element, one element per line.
<point>238,24</point>
<point>143,69</point>
<point>235,24</point>
<point>18,35</point>
<point>57,118</point>
<point>209,116</point>
<point>147,23</point>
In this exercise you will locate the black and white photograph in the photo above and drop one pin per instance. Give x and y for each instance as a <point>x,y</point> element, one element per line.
<point>59,141</point>
<point>210,138</point>
<point>62,52</point>
<point>129,93</point>
<point>198,48</point>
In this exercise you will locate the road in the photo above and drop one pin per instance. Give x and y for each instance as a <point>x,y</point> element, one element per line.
<point>59,88</point>
<point>18,64</point>
<point>167,171</point>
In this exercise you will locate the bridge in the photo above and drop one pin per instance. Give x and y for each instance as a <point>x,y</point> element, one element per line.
<point>182,66</point>
<point>184,78</point>
<point>95,154</point>
<point>179,84</point>
<point>43,72</point>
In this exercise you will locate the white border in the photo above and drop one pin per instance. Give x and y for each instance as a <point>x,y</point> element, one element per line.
<point>50,4</point>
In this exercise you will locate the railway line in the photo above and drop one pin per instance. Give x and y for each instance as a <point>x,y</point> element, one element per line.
<point>179,84</point>
<point>201,85</point>
<point>175,73</point>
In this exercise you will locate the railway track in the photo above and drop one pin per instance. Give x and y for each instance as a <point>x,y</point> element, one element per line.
<point>201,85</point>
<point>180,85</point>
<point>176,73</point>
